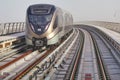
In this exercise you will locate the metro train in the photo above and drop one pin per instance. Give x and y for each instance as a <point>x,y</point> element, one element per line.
<point>46,24</point>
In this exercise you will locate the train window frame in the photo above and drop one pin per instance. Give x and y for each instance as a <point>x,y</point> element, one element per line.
<point>38,18</point>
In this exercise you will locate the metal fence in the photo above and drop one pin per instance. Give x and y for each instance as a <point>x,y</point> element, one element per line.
<point>10,28</point>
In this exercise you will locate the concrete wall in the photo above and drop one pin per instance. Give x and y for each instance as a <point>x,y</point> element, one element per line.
<point>110,25</point>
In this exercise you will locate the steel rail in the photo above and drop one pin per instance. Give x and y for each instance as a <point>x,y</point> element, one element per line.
<point>102,70</point>
<point>15,60</point>
<point>79,52</point>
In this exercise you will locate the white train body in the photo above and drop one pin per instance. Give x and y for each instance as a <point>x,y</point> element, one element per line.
<point>46,24</point>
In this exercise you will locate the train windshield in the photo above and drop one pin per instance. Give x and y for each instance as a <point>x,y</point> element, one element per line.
<point>40,20</point>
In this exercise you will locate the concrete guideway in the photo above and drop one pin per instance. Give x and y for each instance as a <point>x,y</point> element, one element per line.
<point>9,40</point>
<point>114,26</point>
<point>88,66</point>
<point>114,35</point>
<point>110,56</point>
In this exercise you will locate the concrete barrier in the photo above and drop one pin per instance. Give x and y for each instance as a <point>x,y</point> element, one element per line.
<point>109,25</point>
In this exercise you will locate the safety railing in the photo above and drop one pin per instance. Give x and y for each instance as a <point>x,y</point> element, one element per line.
<point>10,28</point>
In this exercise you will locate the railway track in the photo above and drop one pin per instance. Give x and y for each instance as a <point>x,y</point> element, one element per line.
<point>7,65</point>
<point>82,56</point>
<point>109,57</point>
<point>108,54</point>
<point>87,68</point>
<point>13,56</point>
<point>90,65</point>
<point>81,63</point>
<point>23,69</point>
<point>12,50</point>
<point>64,66</point>
<point>17,62</point>
<point>44,67</point>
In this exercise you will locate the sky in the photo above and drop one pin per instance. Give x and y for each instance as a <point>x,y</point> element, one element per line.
<point>82,10</point>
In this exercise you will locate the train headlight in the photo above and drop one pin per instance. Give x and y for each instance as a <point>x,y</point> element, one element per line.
<point>32,27</point>
<point>47,26</point>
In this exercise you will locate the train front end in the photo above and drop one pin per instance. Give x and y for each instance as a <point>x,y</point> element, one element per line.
<point>37,24</point>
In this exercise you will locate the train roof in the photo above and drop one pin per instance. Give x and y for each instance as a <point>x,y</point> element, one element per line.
<point>41,5</point>
<point>45,9</point>
<point>41,8</point>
